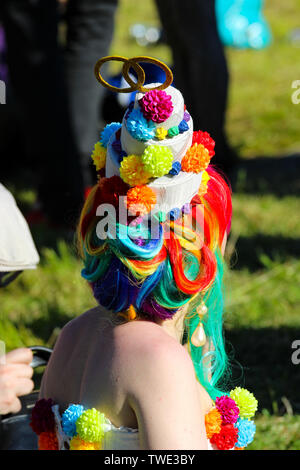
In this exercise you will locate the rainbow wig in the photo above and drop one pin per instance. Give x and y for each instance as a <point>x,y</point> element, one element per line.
<point>158,275</point>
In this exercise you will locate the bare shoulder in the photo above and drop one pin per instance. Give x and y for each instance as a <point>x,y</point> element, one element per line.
<point>160,384</point>
<point>146,337</point>
<point>81,322</point>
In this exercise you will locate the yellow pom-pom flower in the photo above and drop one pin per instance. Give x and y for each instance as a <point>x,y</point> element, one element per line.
<point>196,159</point>
<point>140,200</point>
<point>205,178</point>
<point>99,156</point>
<point>204,181</point>
<point>79,444</point>
<point>133,172</point>
<point>213,422</point>
<point>245,400</point>
<point>161,133</point>
<point>157,160</point>
<point>90,425</point>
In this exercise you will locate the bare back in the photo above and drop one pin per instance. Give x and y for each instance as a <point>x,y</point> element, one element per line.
<point>100,364</point>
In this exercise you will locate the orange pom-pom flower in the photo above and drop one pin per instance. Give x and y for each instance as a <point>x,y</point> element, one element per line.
<point>140,200</point>
<point>48,441</point>
<point>213,422</point>
<point>196,159</point>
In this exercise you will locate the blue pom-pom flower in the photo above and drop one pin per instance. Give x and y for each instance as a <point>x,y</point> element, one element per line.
<point>69,418</point>
<point>183,126</point>
<point>176,168</point>
<point>138,127</point>
<point>175,213</point>
<point>108,131</point>
<point>247,430</point>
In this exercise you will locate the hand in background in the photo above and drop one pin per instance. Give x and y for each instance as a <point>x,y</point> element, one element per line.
<point>15,379</point>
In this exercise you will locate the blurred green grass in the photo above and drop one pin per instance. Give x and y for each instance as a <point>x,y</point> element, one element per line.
<point>263,301</point>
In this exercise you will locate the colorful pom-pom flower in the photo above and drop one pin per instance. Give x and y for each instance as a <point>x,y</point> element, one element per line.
<point>157,160</point>
<point>108,131</point>
<point>90,425</point>
<point>176,168</point>
<point>69,419</point>
<point>79,444</point>
<point>213,422</point>
<point>204,138</point>
<point>245,400</point>
<point>138,127</point>
<point>226,438</point>
<point>183,126</point>
<point>156,105</point>
<point>161,133</point>
<point>140,200</point>
<point>228,409</point>
<point>196,159</point>
<point>186,116</point>
<point>204,181</point>
<point>246,432</point>
<point>133,172</point>
<point>173,131</point>
<point>99,156</point>
<point>186,208</point>
<point>48,441</point>
<point>175,213</point>
<point>42,417</point>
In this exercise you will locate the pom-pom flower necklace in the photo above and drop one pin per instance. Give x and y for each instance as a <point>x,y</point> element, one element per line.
<point>228,425</point>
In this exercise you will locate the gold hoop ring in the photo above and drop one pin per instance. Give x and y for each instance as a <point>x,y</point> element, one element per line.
<point>151,60</point>
<point>133,63</point>
<point>133,86</point>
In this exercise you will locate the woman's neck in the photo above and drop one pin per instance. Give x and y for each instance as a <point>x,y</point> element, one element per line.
<point>175,325</point>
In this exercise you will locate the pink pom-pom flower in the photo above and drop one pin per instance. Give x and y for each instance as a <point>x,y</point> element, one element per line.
<point>156,105</point>
<point>228,409</point>
<point>42,417</point>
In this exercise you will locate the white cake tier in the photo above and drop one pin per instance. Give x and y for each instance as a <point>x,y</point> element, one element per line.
<point>178,144</point>
<point>175,191</point>
<point>171,191</point>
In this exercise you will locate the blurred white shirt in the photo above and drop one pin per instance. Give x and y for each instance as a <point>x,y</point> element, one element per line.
<point>17,249</point>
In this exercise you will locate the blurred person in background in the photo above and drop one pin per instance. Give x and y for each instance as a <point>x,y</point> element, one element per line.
<point>17,253</point>
<point>200,68</point>
<point>57,94</point>
<point>15,379</point>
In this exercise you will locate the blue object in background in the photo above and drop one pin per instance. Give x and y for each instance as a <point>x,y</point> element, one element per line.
<point>241,24</point>
<point>153,74</point>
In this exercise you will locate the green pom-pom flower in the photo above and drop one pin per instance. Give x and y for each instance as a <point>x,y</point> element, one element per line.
<point>90,425</point>
<point>173,131</point>
<point>157,160</point>
<point>245,400</point>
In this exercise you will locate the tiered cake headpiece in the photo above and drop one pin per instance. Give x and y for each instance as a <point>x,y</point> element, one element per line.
<point>154,150</point>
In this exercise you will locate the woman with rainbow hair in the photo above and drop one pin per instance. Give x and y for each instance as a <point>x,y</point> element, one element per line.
<point>147,367</point>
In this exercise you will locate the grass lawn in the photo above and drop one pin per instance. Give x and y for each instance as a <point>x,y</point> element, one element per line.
<point>263,301</point>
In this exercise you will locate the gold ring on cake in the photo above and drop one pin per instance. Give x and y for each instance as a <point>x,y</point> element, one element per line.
<point>137,68</point>
<point>136,60</point>
<point>133,63</point>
